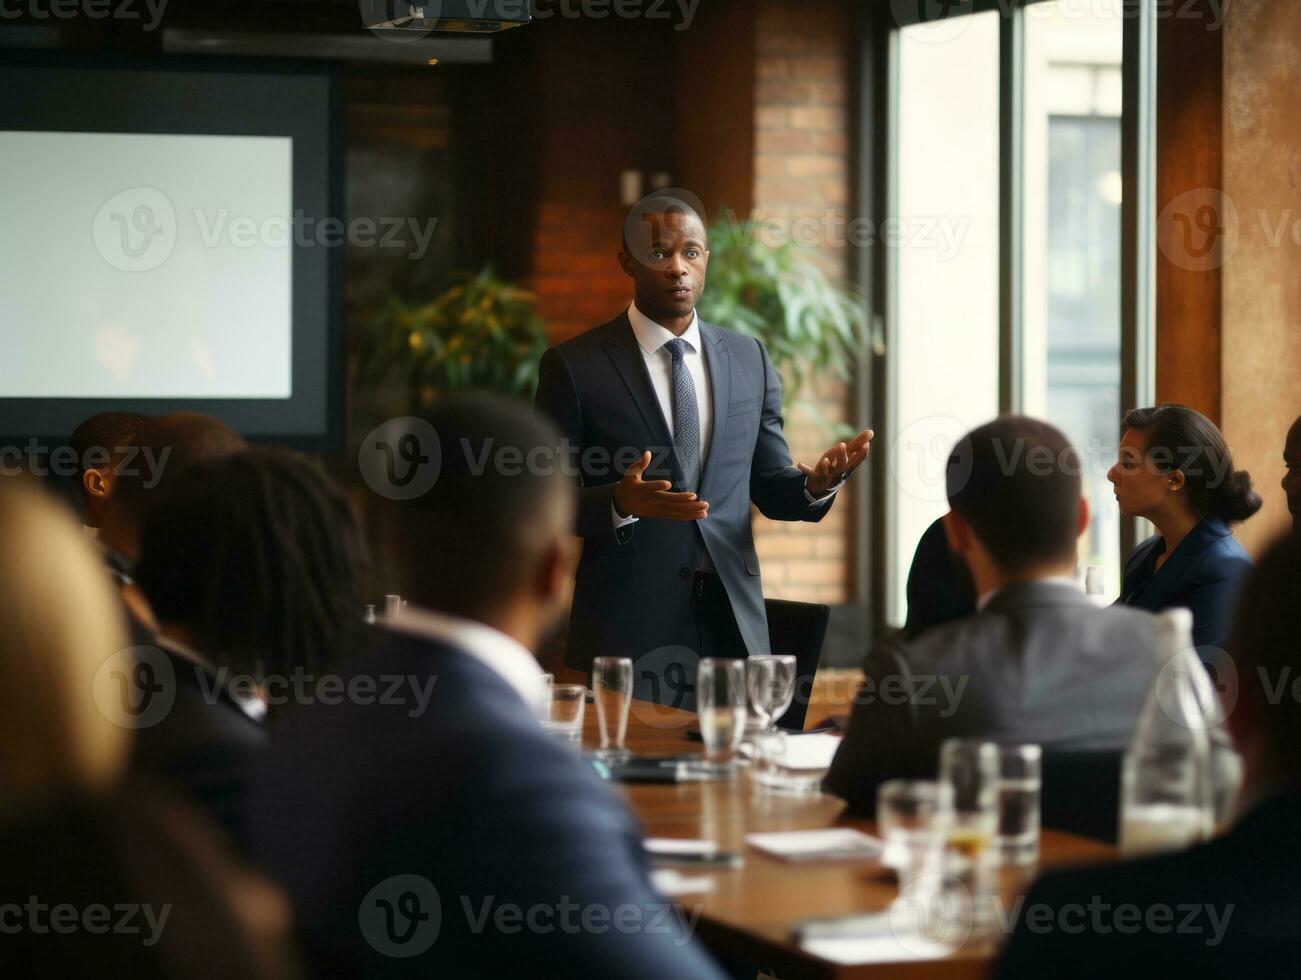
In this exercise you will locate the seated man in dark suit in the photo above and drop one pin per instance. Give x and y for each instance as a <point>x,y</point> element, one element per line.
<point>1038,663</point>
<point>1228,908</point>
<point>428,825</point>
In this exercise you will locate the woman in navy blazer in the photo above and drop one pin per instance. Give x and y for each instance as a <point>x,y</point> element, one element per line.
<point>1176,470</point>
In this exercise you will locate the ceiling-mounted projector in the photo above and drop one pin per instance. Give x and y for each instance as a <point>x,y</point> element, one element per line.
<point>462,16</point>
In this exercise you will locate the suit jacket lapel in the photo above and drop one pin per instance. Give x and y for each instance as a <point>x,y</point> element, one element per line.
<point>628,361</point>
<point>719,363</point>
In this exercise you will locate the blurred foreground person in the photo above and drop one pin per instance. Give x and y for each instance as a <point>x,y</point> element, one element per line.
<point>98,878</point>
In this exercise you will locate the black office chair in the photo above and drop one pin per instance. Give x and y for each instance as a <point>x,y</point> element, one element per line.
<point>798,628</point>
<point>1081,793</point>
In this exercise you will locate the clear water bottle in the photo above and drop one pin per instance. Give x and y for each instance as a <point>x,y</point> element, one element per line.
<point>1167,780</point>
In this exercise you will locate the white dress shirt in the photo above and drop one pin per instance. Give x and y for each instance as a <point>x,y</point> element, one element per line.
<point>651,338</point>
<point>501,654</point>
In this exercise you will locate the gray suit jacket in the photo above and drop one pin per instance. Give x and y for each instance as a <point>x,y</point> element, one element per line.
<point>1040,664</point>
<point>633,592</point>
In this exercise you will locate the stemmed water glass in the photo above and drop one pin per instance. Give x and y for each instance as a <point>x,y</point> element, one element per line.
<point>770,683</point>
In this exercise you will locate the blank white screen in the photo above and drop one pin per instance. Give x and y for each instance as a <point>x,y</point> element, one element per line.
<point>145,266</point>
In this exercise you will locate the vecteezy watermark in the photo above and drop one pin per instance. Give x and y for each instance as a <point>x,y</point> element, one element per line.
<point>940,909</point>
<point>835,228</point>
<point>403,916</point>
<point>97,919</point>
<point>941,691</point>
<point>151,11</point>
<point>137,687</point>
<point>1202,230</point>
<point>931,456</point>
<point>137,229</point>
<point>664,686</point>
<point>404,21</point>
<point>38,459</point>
<point>401,459</point>
<point>942,21</point>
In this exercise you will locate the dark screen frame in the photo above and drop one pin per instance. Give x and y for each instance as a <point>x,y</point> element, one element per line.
<point>46,92</point>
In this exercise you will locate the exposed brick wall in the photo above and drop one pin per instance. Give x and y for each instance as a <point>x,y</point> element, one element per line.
<point>802,170</point>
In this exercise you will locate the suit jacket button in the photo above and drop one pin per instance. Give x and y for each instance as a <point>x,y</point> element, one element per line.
<point>684,572</point>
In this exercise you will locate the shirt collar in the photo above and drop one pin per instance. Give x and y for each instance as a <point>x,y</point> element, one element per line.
<point>651,336</point>
<point>503,655</point>
<point>985,598</point>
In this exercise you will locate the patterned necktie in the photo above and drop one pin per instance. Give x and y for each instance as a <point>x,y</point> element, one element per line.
<point>686,417</point>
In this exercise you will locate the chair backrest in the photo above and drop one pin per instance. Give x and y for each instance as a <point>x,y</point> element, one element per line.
<point>798,628</point>
<point>1081,793</point>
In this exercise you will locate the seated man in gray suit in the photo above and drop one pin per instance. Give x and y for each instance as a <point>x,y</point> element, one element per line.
<point>1038,662</point>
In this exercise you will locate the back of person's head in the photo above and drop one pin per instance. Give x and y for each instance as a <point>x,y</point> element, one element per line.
<point>168,899</point>
<point>163,447</point>
<point>100,443</point>
<point>61,624</point>
<point>1266,649</point>
<point>259,558</point>
<point>1017,481</point>
<point>1179,438</point>
<point>498,515</point>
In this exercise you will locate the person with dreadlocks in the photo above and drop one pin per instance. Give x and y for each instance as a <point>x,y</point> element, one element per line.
<point>252,564</point>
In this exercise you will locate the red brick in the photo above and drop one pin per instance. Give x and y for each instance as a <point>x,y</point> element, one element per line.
<point>815,166</point>
<point>816,118</point>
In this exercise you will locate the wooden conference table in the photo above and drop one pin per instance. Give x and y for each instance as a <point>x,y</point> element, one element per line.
<point>750,912</point>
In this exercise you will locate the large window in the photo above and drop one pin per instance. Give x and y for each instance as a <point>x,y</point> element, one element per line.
<point>944,316</point>
<point>1006,288</point>
<point>1073,191</point>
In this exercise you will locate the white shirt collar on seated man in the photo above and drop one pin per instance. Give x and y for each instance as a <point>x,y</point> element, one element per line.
<point>501,654</point>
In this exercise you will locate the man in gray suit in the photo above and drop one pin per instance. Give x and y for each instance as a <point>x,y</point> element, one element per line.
<point>676,425</point>
<point>1038,662</point>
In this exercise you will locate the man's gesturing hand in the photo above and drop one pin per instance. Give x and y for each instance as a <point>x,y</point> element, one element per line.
<point>840,460</point>
<point>635,497</point>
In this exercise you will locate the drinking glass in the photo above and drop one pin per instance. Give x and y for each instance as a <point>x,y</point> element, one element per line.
<point>720,700</point>
<point>770,683</point>
<point>969,767</point>
<point>565,718</point>
<point>612,691</point>
<point>1020,778</point>
<point>912,818</point>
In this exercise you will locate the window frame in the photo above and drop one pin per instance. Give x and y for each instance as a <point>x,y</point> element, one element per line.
<point>876,34</point>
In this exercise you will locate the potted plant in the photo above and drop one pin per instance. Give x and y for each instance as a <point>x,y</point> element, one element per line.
<point>483,332</point>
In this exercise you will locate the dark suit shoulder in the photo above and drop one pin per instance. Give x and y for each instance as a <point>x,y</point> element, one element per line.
<point>592,339</point>
<point>1113,630</point>
<point>1223,561</point>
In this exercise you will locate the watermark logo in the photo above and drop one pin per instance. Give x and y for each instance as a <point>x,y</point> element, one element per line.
<point>135,230</point>
<point>945,20</point>
<point>920,457</point>
<point>933,910</point>
<point>1199,230</point>
<point>1198,692</point>
<point>401,459</point>
<point>135,688</point>
<point>401,916</point>
<point>664,686</point>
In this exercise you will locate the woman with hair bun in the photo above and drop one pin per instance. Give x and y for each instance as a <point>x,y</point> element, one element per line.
<point>1175,469</point>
